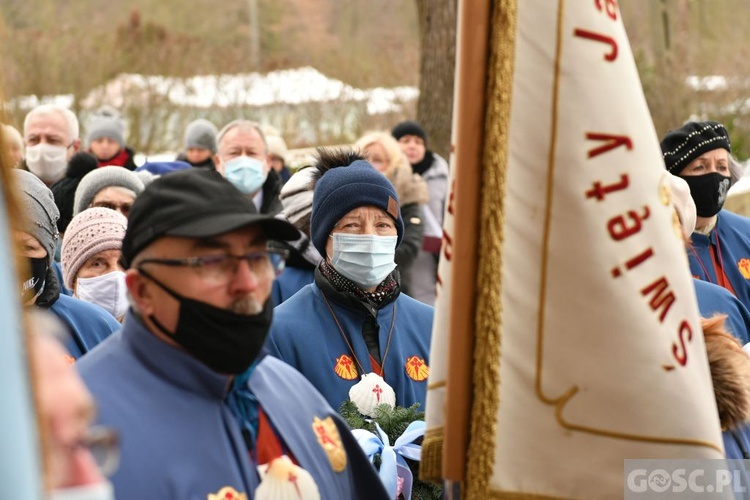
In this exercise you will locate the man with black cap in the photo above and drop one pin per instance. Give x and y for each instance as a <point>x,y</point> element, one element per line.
<point>699,153</point>
<point>199,407</point>
<point>434,170</point>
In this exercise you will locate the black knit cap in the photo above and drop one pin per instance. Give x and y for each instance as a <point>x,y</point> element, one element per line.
<point>64,190</point>
<point>194,203</point>
<point>685,144</point>
<point>409,128</point>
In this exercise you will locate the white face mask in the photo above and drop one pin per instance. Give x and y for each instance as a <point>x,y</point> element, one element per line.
<point>366,259</point>
<point>47,162</point>
<point>108,291</point>
<point>98,491</point>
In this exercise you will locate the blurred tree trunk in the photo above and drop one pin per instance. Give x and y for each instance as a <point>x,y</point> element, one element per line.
<point>437,34</point>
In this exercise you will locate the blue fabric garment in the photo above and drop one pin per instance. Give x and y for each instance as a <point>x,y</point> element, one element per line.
<point>290,282</point>
<point>180,440</point>
<point>732,236</point>
<point>305,335</point>
<point>88,324</point>
<point>58,272</point>
<point>713,299</point>
<point>292,405</point>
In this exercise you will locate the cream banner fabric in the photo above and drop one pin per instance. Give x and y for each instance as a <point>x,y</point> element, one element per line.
<point>602,355</point>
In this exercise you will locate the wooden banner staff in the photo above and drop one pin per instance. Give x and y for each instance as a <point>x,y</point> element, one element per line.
<point>469,112</point>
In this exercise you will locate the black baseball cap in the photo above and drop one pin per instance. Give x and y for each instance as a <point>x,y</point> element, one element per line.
<point>195,203</point>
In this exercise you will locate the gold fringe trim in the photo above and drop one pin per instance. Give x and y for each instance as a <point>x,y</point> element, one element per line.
<point>519,495</point>
<point>431,463</point>
<point>481,453</point>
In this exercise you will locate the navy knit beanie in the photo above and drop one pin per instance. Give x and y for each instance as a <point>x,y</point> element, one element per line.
<point>409,128</point>
<point>340,190</point>
<point>688,142</point>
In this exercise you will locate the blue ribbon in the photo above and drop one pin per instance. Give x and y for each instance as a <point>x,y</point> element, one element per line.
<point>393,464</point>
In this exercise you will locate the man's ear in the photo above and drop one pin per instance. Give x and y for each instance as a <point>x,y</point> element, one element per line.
<point>139,289</point>
<point>219,165</point>
<point>76,146</point>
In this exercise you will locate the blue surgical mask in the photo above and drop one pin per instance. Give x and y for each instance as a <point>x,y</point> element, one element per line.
<point>247,174</point>
<point>366,259</point>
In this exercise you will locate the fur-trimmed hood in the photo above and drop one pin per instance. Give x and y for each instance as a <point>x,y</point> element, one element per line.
<point>410,187</point>
<point>730,373</point>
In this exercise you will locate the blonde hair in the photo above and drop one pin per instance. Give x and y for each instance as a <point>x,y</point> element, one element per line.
<point>391,147</point>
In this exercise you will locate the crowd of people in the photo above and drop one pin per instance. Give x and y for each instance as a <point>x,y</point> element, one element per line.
<point>218,309</point>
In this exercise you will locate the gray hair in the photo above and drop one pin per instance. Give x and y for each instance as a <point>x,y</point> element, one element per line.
<point>49,109</point>
<point>243,124</point>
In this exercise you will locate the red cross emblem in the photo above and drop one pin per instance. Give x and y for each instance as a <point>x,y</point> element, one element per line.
<point>293,479</point>
<point>417,369</point>
<point>378,391</point>
<point>345,368</point>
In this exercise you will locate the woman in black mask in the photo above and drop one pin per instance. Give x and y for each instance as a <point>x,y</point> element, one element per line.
<point>699,152</point>
<point>87,323</point>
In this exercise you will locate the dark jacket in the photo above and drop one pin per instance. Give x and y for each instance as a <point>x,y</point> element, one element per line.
<point>271,189</point>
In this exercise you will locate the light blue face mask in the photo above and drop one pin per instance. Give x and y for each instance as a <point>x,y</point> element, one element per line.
<point>366,259</point>
<point>247,174</point>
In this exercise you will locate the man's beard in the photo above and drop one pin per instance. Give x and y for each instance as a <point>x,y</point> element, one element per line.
<point>248,306</point>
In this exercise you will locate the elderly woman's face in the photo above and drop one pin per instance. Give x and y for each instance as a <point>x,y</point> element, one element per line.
<point>364,220</point>
<point>716,160</point>
<point>100,264</point>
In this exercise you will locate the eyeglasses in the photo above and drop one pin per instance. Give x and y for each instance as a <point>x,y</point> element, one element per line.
<point>104,445</point>
<point>222,267</point>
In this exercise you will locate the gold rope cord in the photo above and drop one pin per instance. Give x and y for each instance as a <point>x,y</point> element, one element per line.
<point>487,330</point>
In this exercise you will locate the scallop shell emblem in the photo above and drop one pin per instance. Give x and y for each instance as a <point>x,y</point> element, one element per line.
<point>283,480</point>
<point>370,392</point>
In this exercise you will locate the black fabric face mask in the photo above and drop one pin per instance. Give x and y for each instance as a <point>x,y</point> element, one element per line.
<point>708,191</point>
<point>225,341</point>
<point>34,285</point>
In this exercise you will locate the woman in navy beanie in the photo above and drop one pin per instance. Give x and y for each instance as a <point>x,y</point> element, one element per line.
<point>352,331</point>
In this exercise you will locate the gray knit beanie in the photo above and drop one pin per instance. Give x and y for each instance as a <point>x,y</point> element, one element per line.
<point>38,205</point>
<point>201,134</point>
<point>103,177</point>
<point>107,123</point>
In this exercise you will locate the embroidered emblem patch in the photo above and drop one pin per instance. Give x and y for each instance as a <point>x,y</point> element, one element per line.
<point>345,367</point>
<point>417,369</point>
<point>227,493</point>
<point>330,440</point>
<point>392,208</point>
<point>744,265</point>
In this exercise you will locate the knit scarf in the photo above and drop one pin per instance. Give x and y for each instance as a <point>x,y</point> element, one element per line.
<point>343,284</point>
<point>422,167</point>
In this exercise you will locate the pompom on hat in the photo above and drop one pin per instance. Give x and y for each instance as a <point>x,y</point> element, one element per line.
<point>340,190</point>
<point>92,231</point>
<point>683,145</point>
